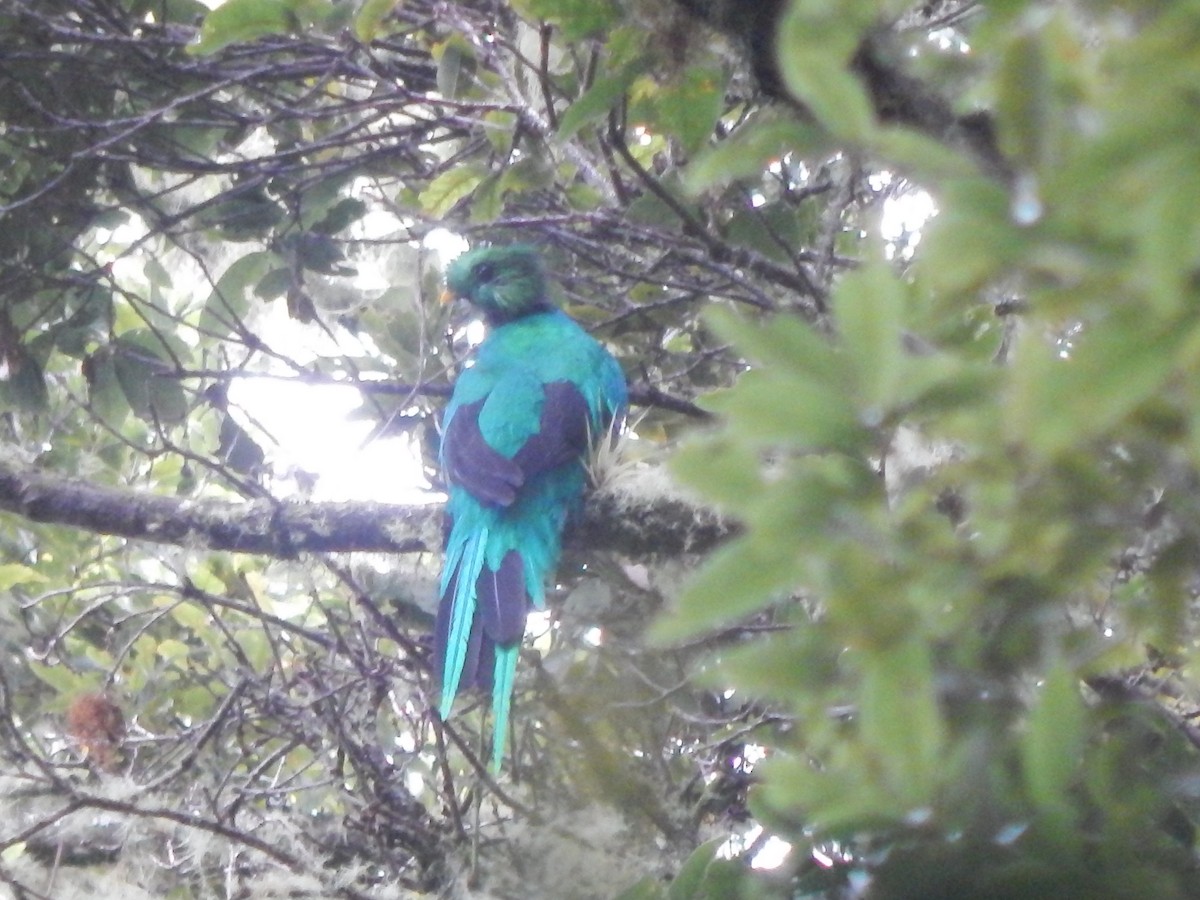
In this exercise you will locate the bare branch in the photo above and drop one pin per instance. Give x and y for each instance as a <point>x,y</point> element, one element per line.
<point>634,526</point>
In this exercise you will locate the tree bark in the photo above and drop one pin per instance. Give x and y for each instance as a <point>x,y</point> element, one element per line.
<point>635,526</point>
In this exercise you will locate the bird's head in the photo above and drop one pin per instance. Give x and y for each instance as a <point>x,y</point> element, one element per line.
<point>504,283</point>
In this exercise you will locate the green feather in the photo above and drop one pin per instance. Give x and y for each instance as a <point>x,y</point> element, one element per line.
<point>469,562</point>
<point>502,689</point>
<point>530,346</point>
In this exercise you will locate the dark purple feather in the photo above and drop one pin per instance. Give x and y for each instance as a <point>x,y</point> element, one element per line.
<point>501,600</point>
<point>469,460</point>
<point>562,434</point>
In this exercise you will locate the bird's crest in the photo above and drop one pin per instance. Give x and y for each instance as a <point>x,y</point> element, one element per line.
<point>503,282</point>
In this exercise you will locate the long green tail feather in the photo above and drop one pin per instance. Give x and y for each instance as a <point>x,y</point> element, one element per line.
<point>502,690</point>
<point>470,564</point>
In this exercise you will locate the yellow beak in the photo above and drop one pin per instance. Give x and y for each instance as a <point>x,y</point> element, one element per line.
<point>446,297</point>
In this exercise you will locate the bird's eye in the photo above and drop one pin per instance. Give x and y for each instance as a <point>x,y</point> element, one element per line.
<point>485,271</point>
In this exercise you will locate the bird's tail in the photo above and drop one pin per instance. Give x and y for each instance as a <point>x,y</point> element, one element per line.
<point>480,624</point>
<point>502,691</point>
<point>457,613</point>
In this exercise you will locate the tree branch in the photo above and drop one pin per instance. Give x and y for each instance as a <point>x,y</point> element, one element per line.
<point>635,526</point>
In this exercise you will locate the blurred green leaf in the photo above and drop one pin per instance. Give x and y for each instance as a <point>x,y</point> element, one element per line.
<point>370,17</point>
<point>688,884</point>
<point>766,135</point>
<point>25,387</point>
<point>604,93</point>
<point>445,191</point>
<point>1066,399</point>
<point>648,888</point>
<point>775,408</point>
<point>455,66</point>
<point>1023,102</point>
<point>238,21</point>
<point>146,372</point>
<point>689,105</point>
<point>814,48</point>
<point>783,341</point>
<point>12,574</point>
<point>728,472</point>
<point>900,720</point>
<point>972,240</point>
<point>868,308</point>
<point>341,215</point>
<point>741,577</point>
<point>1053,743</point>
<point>106,400</point>
<point>919,156</point>
<point>578,19</point>
<point>229,303</point>
<point>238,449</point>
<point>235,21</point>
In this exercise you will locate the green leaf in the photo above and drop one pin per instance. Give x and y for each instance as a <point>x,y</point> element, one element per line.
<point>836,97</point>
<point>737,579</point>
<point>1022,102</point>
<point>648,888</point>
<point>972,239</point>
<point>229,302</point>
<point>275,283</point>
<point>774,230</point>
<point>767,135</point>
<point>455,66</point>
<point>499,125</point>
<point>900,720</point>
<point>243,215</point>
<point>726,471</point>
<point>445,191</point>
<point>237,448</point>
<point>833,798</point>
<point>25,388</point>
<point>172,650</point>
<point>370,16</point>
<point>724,878</point>
<point>318,252</point>
<point>784,341</point>
<point>1050,751</point>
<point>602,96</point>
<point>919,156</point>
<point>1167,229</point>
<point>341,215</point>
<point>12,574</point>
<point>814,51</point>
<point>236,21</point>
<point>688,107</point>
<point>65,682</point>
<point>13,853</point>
<point>789,667</point>
<point>688,883</point>
<point>776,409</point>
<point>105,397</point>
<point>868,309</point>
<point>578,19</point>
<point>1060,403</point>
<point>146,374</point>
<point>156,272</point>
<point>799,397</point>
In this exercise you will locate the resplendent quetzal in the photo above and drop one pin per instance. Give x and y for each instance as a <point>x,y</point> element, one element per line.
<point>540,392</point>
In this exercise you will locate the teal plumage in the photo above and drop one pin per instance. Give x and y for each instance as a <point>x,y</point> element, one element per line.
<point>514,439</point>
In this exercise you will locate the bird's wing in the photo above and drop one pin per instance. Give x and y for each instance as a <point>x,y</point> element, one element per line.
<point>520,428</point>
<point>562,432</point>
<point>469,461</point>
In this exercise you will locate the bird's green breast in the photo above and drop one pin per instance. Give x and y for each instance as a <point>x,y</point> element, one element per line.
<point>515,361</point>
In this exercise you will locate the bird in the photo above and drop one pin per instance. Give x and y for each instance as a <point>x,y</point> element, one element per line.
<point>539,394</point>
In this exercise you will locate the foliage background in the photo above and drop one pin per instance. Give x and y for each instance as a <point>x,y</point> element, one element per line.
<point>922,603</point>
